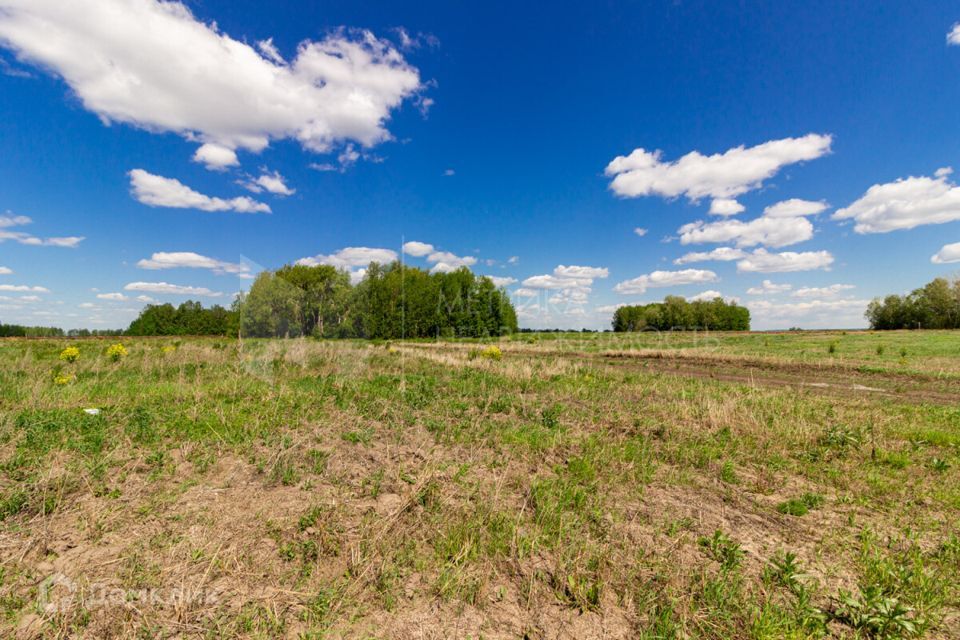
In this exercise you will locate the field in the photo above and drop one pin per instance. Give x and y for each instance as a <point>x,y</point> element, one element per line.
<point>791,485</point>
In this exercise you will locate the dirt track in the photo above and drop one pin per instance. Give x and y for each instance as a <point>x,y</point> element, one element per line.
<point>823,378</point>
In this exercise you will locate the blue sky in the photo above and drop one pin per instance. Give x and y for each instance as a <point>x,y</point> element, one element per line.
<point>161,134</point>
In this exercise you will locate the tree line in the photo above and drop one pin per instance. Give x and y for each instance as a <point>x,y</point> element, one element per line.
<point>390,301</point>
<point>935,305</point>
<point>188,319</point>
<point>21,331</point>
<point>676,313</point>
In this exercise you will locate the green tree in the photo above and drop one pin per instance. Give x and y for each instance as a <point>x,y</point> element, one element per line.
<point>326,293</point>
<point>936,305</point>
<point>272,308</point>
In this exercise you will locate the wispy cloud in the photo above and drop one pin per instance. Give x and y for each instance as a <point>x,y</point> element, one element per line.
<point>8,221</point>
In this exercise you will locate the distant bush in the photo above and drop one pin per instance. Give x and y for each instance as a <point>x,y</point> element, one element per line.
<point>189,319</point>
<point>676,313</point>
<point>19,331</point>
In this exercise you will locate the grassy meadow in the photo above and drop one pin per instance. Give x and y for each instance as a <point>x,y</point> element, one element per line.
<point>788,485</point>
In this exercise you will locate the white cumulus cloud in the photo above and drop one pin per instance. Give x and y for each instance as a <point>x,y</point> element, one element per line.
<point>8,221</point>
<point>171,289</point>
<point>154,65</point>
<point>579,272</point>
<point>191,260</point>
<point>821,292</point>
<point>115,297</point>
<point>954,36</point>
<point>721,254</point>
<point>640,284</point>
<point>762,261</point>
<point>350,257</point>
<point>812,314</point>
<point>417,249</point>
<point>721,175</point>
<point>770,232</point>
<point>445,262</point>
<point>905,204</point>
<point>768,288</point>
<point>157,191</point>
<point>709,294</point>
<point>570,285</point>
<point>502,281</point>
<point>272,182</point>
<point>948,253</point>
<point>216,157</point>
<point>548,281</point>
<point>5,271</point>
<point>795,207</point>
<point>609,308</point>
<point>23,288</point>
<point>726,207</point>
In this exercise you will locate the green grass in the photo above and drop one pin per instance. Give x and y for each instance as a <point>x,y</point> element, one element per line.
<point>344,489</point>
<point>936,352</point>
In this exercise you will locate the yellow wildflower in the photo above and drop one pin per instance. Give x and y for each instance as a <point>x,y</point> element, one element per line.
<point>117,352</point>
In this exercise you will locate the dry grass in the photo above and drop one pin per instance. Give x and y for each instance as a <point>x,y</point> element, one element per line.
<point>308,489</point>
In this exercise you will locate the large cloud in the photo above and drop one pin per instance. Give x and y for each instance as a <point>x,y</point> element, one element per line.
<point>771,232</point>
<point>762,261</point>
<point>640,284</point>
<point>949,253</point>
<point>905,204</point>
<point>153,65</point>
<point>954,36</point>
<point>157,191</point>
<point>722,175</point>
